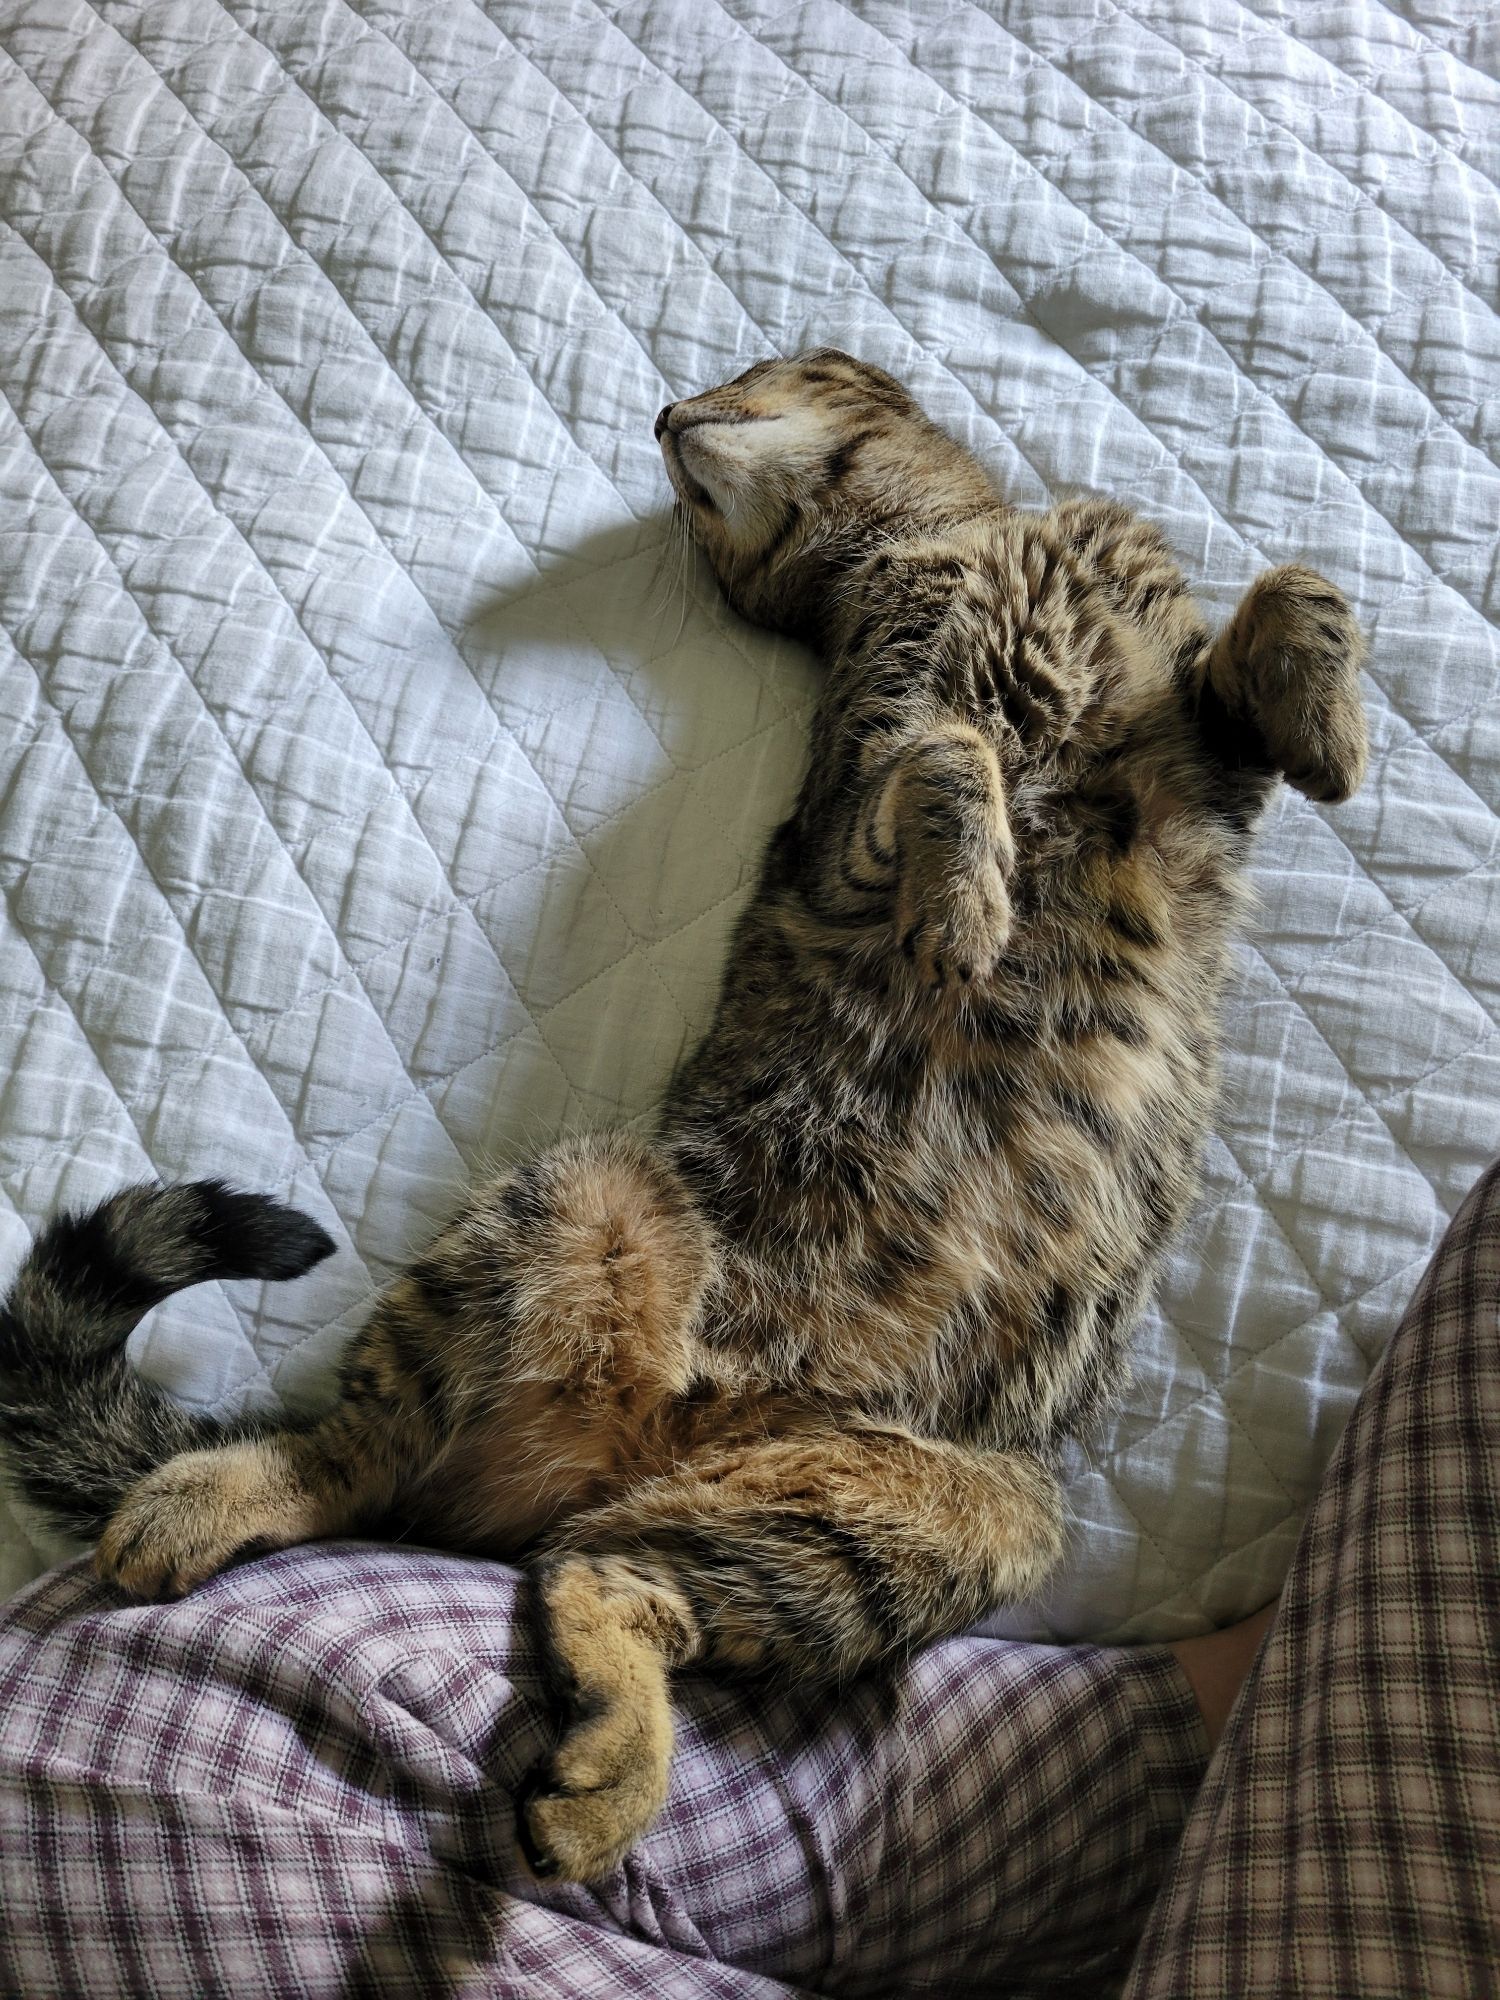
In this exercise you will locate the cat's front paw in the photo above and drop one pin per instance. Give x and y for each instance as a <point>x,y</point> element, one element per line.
<point>185,1522</point>
<point>953,931</point>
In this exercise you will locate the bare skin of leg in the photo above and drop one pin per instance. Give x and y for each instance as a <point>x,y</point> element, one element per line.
<point>1216,1665</point>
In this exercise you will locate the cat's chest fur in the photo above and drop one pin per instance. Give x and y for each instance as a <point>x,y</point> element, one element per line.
<point>923,1176</point>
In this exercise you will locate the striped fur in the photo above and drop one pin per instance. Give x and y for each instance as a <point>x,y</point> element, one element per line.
<point>779,1391</point>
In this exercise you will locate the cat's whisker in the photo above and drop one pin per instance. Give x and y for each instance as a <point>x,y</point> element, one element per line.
<point>666,566</point>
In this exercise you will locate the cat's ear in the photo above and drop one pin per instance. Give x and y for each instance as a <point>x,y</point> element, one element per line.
<point>1283,684</point>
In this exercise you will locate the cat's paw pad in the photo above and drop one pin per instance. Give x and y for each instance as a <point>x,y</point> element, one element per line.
<point>179,1526</point>
<point>954,932</point>
<point>581,1812</point>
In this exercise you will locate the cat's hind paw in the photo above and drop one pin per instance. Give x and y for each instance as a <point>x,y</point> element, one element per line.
<point>194,1516</point>
<point>608,1644</point>
<point>581,1812</point>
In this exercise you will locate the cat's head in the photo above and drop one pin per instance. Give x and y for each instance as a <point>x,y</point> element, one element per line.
<point>794,470</point>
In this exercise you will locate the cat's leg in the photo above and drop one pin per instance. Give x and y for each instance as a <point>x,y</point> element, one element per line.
<point>506,1374</point>
<point>1282,687</point>
<point>812,1556</point>
<point>937,815</point>
<point>204,1509</point>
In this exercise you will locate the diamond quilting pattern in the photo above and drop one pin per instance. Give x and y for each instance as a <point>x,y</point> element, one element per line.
<point>379,788</point>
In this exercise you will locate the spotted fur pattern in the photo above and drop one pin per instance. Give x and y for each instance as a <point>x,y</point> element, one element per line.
<point>780,1390</point>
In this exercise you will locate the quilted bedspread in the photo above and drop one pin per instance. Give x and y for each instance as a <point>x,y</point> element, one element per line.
<point>378,790</point>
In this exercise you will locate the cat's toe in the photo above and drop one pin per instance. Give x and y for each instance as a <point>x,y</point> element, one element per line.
<point>174,1530</point>
<point>579,1815</point>
<point>150,1554</point>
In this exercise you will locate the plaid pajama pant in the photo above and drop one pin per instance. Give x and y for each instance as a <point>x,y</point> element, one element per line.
<point>298,1780</point>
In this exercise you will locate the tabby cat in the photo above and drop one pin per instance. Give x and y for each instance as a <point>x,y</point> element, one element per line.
<point>781,1388</point>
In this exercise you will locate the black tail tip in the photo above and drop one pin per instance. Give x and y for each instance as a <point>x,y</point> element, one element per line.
<point>254,1236</point>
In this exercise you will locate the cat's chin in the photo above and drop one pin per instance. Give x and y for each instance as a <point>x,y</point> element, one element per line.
<point>692,490</point>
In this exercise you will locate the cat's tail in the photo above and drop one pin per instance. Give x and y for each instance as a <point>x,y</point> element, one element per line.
<point>78,1426</point>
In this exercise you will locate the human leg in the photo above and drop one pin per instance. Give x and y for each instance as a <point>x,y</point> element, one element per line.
<point>1347,1839</point>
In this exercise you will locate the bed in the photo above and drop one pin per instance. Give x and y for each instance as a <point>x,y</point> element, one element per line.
<point>379,786</point>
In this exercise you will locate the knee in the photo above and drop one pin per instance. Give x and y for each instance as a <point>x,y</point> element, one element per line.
<point>607,1262</point>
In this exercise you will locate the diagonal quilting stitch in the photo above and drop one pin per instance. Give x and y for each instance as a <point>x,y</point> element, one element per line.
<point>395,944</point>
<point>415,1090</point>
<point>421,414</point>
<point>1359,88</point>
<point>1257,390</point>
<point>61,992</point>
<point>1362,198</point>
<point>616,313</point>
<point>458,276</point>
<point>319,1156</point>
<point>881,306</point>
<point>1424,44</point>
<point>250,789</point>
<point>438,249</point>
<point>171,652</point>
<point>1419,598</point>
<point>993,430</point>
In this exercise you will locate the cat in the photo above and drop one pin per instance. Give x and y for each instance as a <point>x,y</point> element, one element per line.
<point>780,1389</point>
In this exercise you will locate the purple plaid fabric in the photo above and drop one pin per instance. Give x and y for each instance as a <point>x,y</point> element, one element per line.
<point>298,1781</point>
<point>1347,1837</point>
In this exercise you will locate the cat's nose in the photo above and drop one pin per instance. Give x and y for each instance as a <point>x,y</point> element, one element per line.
<point>661,418</point>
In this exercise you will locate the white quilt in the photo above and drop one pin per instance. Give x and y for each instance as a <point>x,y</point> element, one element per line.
<point>375,800</point>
